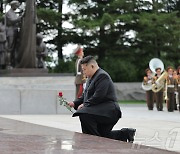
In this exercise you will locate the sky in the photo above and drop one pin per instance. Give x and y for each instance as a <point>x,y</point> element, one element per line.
<point>68,49</point>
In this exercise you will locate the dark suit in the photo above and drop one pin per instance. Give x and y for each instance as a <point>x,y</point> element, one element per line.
<point>99,97</point>
<point>101,110</point>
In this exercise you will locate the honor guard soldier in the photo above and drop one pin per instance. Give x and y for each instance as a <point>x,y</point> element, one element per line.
<point>158,95</point>
<point>80,78</point>
<point>170,85</point>
<point>147,84</point>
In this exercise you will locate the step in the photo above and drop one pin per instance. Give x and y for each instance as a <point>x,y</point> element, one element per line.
<point>21,137</point>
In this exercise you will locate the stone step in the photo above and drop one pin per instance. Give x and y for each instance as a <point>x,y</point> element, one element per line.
<point>21,137</point>
<point>29,72</point>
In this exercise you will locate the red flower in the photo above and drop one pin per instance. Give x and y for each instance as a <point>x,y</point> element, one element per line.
<point>60,94</point>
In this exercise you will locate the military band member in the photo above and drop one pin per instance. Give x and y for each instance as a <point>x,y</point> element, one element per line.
<point>178,85</point>
<point>171,85</point>
<point>79,79</point>
<point>149,93</point>
<point>158,95</point>
<point>175,76</point>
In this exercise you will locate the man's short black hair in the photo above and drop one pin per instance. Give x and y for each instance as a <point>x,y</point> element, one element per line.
<point>87,59</point>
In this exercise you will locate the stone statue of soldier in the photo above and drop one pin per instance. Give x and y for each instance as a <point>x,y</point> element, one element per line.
<point>41,51</point>
<point>3,48</point>
<point>12,21</point>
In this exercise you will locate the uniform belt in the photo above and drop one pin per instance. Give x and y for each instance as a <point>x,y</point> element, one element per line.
<point>170,86</point>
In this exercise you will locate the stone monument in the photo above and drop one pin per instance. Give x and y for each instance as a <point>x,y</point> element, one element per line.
<point>26,57</point>
<point>22,39</point>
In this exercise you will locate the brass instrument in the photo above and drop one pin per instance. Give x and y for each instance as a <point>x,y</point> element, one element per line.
<point>147,86</point>
<point>159,83</point>
<point>156,63</point>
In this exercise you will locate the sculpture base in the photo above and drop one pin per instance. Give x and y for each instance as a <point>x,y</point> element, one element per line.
<point>28,72</point>
<point>23,72</point>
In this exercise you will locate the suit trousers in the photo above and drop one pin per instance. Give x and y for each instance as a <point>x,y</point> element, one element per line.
<point>101,126</point>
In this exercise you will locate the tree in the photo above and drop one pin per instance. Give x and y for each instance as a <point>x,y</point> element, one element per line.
<point>50,20</point>
<point>122,34</point>
<point>158,33</point>
<point>1,7</point>
<point>133,30</point>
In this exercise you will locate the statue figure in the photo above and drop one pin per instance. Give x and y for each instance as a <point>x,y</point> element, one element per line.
<point>41,51</point>
<point>24,48</point>
<point>3,53</point>
<point>12,21</point>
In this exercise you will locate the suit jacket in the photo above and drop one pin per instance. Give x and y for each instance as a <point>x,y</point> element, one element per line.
<point>99,97</point>
<point>79,73</point>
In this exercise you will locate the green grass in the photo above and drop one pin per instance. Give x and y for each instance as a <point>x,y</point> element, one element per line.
<point>131,102</point>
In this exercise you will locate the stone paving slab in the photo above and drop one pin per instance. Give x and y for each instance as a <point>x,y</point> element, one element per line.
<point>154,128</point>
<point>25,138</point>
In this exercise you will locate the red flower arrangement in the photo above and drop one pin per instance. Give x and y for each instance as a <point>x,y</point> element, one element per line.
<point>63,101</point>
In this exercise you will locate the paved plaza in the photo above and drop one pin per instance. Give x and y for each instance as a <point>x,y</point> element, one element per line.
<point>154,129</point>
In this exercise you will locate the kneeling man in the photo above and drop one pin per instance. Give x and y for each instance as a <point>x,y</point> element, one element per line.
<point>97,108</point>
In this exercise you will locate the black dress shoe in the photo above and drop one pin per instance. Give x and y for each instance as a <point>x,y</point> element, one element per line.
<point>131,134</point>
<point>127,134</point>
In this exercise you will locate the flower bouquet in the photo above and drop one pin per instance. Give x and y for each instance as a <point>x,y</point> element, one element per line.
<point>63,102</point>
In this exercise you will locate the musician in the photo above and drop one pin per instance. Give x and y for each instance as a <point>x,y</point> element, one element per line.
<point>178,85</point>
<point>79,79</point>
<point>158,95</point>
<point>175,76</point>
<point>149,93</point>
<point>171,87</point>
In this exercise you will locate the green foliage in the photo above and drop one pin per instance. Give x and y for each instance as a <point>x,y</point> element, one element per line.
<point>49,16</point>
<point>1,15</point>
<point>107,19</point>
<point>131,102</point>
<point>125,35</point>
<point>120,69</point>
<point>64,67</point>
